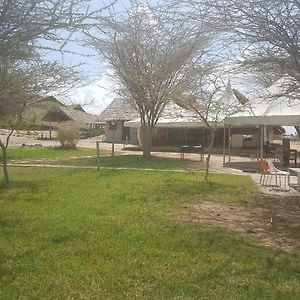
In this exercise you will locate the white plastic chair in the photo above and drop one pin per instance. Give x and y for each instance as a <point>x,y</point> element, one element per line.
<point>276,172</point>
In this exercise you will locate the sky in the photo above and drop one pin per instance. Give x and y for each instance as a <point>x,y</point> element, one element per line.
<point>98,93</point>
<point>95,95</point>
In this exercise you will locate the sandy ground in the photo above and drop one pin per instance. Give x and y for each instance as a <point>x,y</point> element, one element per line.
<point>271,221</point>
<point>29,138</point>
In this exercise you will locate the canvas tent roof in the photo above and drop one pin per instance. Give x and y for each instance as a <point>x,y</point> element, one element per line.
<point>176,116</point>
<point>272,107</point>
<point>173,116</point>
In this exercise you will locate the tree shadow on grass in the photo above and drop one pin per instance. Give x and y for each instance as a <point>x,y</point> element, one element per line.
<point>7,223</point>
<point>19,186</point>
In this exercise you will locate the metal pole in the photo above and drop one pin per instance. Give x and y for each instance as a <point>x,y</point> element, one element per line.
<point>98,156</point>
<point>262,142</point>
<point>224,145</point>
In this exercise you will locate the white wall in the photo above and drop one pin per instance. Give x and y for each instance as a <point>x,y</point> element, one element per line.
<point>116,134</point>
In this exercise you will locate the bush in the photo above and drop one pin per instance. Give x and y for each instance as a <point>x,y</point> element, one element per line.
<point>68,134</point>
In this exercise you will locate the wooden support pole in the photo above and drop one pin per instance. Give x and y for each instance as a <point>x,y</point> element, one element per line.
<point>224,145</point>
<point>229,143</point>
<point>257,142</point>
<point>98,156</point>
<point>113,143</point>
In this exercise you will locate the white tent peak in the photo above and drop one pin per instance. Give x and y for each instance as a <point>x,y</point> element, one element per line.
<point>272,107</point>
<point>228,86</point>
<point>229,98</point>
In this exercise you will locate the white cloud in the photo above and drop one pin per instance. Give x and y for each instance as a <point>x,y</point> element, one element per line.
<point>94,97</point>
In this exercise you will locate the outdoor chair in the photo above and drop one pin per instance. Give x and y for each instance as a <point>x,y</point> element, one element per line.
<point>265,172</point>
<point>278,173</point>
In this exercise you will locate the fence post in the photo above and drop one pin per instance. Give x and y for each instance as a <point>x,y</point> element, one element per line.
<point>98,156</point>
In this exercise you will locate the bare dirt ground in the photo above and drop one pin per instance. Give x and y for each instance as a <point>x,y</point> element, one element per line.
<point>273,221</point>
<point>32,138</point>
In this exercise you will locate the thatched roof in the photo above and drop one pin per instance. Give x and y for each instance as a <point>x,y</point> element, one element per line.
<point>77,107</point>
<point>118,110</point>
<point>78,116</point>
<point>51,110</point>
<point>56,116</point>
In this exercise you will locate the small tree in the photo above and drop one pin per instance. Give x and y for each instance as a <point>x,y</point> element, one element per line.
<point>68,134</point>
<point>206,98</point>
<point>21,89</point>
<point>29,30</point>
<point>150,54</point>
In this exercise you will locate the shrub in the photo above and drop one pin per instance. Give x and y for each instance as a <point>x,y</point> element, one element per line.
<point>68,134</point>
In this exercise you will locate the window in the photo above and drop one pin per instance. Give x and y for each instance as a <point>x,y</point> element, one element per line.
<point>112,125</point>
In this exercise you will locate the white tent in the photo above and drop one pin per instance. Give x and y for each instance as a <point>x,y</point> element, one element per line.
<point>175,116</point>
<point>272,107</point>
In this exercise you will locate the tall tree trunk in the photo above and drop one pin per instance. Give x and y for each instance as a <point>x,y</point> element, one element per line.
<point>147,149</point>
<point>147,140</point>
<point>4,158</point>
<point>209,148</point>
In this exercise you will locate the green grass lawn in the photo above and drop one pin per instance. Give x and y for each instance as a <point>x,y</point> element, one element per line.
<point>83,234</point>
<point>28,153</point>
<point>133,161</point>
<point>65,157</point>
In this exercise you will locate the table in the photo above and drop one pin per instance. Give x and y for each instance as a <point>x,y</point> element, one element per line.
<point>191,149</point>
<point>296,171</point>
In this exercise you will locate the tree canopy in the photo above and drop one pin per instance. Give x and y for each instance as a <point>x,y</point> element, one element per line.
<point>151,56</point>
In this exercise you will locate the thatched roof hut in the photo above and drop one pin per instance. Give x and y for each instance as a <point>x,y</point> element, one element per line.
<point>51,110</point>
<point>118,110</point>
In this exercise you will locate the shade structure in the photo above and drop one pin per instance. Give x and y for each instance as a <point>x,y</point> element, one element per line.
<point>272,107</point>
<point>173,116</point>
<point>179,122</point>
<point>176,116</point>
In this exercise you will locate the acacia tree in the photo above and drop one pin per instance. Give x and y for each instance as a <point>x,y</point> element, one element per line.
<point>150,54</point>
<point>212,102</point>
<point>23,88</point>
<point>264,35</point>
<point>28,31</point>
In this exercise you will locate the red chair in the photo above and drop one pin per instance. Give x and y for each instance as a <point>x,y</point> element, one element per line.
<point>265,171</point>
